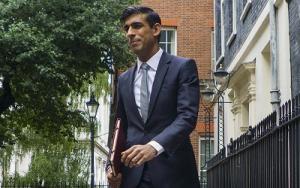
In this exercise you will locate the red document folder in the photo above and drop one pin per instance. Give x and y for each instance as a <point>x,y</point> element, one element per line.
<point>117,147</point>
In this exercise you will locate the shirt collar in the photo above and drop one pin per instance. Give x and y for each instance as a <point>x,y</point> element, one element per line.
<point>152,62</point>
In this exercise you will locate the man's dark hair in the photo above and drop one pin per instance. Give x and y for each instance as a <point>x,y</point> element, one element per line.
<point>151,16</point>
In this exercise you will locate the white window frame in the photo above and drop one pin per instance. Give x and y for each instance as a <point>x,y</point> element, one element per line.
<point>175,33</point>
<point>201,138</point>
<point>245,10</point>
<point>220,59</point>
<point>213,52</point>
<point>233,34</point>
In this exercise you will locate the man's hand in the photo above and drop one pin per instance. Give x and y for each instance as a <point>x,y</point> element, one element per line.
<point>138,155</point>
<point>114,181</point>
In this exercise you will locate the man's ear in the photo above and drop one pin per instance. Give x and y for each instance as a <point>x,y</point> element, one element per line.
<point>156,29</point>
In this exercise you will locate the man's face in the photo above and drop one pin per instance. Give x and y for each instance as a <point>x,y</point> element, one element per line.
<point>141,37</point>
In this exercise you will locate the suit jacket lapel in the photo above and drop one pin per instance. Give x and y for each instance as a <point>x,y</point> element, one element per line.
<point>131,94</point>
<point>158,80</point>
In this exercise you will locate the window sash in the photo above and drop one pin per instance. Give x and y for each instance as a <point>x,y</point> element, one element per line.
<point>168,40</point>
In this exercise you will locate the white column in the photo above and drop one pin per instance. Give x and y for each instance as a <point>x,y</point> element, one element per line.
<point>252,98</point>
<point>237,117</point>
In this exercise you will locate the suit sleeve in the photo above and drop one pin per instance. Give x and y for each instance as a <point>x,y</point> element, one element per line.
<point>187,109</point>
<point>120,113</point>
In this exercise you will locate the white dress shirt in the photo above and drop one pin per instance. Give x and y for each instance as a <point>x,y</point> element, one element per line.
<point>153,63</point>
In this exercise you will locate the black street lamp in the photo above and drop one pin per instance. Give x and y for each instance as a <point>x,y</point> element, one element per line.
<point>92,106</point>
<point>211,90</point>
<point>220,84</point>
<point>222,78</point>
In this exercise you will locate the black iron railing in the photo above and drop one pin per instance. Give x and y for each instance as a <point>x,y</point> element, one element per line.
<point>266,156</point>
<point>13,184</point>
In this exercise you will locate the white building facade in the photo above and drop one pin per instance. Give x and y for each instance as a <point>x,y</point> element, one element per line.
<point>252,42</point>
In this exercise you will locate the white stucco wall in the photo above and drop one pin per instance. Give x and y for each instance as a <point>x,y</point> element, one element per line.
<point>256,49</point>
<point>284,52</point>
<point>20,164</point>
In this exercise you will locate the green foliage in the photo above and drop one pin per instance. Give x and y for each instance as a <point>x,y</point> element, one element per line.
<point>100,86</point>
<point>60,164</point>
<point>54,163</point>
<point>49,49</point>
<point>5,158</point>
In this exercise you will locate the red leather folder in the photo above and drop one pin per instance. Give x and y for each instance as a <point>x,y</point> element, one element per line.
<point>117,147</point>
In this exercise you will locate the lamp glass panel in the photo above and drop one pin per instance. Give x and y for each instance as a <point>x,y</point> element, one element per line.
<point>93,110</point>
<point>221,80</point>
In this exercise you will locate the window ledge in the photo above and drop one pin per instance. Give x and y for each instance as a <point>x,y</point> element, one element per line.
<point>246,10</point>
<point>231,38</point>
<point>220,59</point>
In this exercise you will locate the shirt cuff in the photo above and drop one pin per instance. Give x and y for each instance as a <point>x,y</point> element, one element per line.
<point>157,147</point>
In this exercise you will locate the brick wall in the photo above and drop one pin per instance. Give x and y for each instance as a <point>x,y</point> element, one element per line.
<point>194,22</point>
<point>294,18</point>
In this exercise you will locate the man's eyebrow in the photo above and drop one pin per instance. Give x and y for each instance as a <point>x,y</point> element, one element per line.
<point>136,22</point>
<point>126,26</point>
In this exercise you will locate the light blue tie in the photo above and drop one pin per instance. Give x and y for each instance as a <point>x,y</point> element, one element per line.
<point>144,100</point>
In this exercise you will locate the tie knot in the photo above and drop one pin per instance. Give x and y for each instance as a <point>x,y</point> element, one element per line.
<point>145,66</point>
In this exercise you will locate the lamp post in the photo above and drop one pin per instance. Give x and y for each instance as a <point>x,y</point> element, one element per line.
<point>221,82</point>
<point>221,77</point>
<point>213,90</point>
<point>92,106</point>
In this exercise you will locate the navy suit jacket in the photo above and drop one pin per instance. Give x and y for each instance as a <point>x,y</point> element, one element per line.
<point>173,112</point>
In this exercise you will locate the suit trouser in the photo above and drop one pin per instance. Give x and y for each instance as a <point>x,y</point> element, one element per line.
<point>145,180</point>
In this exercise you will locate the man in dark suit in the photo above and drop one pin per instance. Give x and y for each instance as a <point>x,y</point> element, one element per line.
<point>158,102</point>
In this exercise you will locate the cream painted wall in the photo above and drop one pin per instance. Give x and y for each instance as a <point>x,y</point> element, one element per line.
<point>257,48</point>
<point>263,84</point>
<point>229,122</point>
<point>284,52</point>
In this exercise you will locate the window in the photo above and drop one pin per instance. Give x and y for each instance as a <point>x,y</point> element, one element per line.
<point>206,150</point>
<point>217,33</point>
<point>229,11</point>
<point>168,40</point>
<point>220,36</point>
<point>244,2</point>
<point>222,28</point>
<point>231,21</point>
<point>206,153</point>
